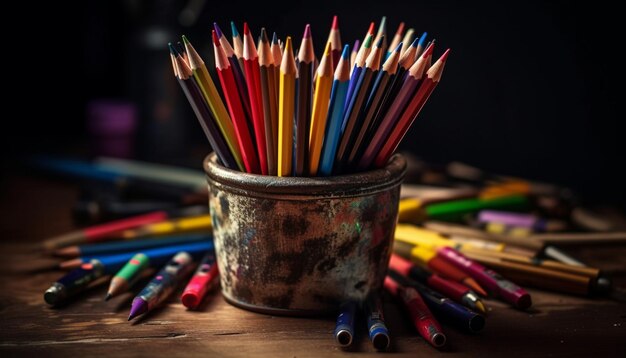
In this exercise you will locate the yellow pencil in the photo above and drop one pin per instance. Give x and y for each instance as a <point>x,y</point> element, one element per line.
<point>286,100</point>
<point>213,99</point>
<point>321,97</point>
<point>180,225</point>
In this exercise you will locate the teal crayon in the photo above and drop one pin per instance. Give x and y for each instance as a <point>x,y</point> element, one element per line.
<point>162,285</point>
<point>74,282</point>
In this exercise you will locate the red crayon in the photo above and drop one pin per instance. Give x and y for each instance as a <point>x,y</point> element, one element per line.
<point>201,282</point>
<point>492,281</point>
<point>422,318</point>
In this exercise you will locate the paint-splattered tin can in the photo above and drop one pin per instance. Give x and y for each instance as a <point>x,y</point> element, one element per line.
<point>301,246</point>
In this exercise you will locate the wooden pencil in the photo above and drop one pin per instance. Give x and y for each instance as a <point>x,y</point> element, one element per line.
<point>358,67</point>
<point>286,101</point>
<point>277,54</point>
<point>306,56</point>
<point>237,44</point>
<point>213,99</point>
<point>397,38</point>
<point>381,33</point>
<point>335,113</point>
<point>400,101</point>
<point>355,51</point>
<point>432,78</point>
<point>319,112</point>
<point>200,108</point>
<point>253,80</point>
<point>380,87</point>
<point>270,101</point>
<point>421,45</point>
<point>352,115</point>
<point>335,42</point>
<point>407,40</point>
<point>238,73</point>
<point>233,100</point>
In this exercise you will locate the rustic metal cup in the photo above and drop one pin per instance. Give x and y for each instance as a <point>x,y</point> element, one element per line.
<point>298,245</point>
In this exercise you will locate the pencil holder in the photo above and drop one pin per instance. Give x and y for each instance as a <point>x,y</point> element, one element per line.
<point>302,245</point>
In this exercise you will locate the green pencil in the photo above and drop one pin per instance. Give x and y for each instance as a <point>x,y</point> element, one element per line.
<point>455,210</point>
<point>125,278</point>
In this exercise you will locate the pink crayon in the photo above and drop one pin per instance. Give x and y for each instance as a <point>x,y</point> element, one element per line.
<point>201,282</point>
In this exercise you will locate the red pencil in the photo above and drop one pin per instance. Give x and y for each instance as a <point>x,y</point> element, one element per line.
<point>253,79</point>
<point>335,42</point>
<point>235,108</point>
<point>433,76</point>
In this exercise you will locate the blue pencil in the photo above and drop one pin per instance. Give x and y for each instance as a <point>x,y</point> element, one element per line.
<point>359,65</point>
<point>115,247</point>
<point>335,113</point>
<point>158,256</point>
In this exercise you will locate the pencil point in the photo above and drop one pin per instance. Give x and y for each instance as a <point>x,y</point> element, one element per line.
<point>368,41</point>
<point>399,47</point>
<point>185,40</point>
<point>335,25</point>
<point>444,57</point>
<point>345,54</point>
<point>307,31</point>
<point>246,29</point>
<point>471,283</point>
<point>429,50</point>
<point>172,49</point>
<point>216,42</point>
<point>379,44</point>
<point>288,44</point>
<point>423,39</point>
<point>370,31</point>
<point>233,29</point>
<point>263,35</point>
<point>357,44</point>
<point>274,38</point>
<point>217,30</point>
<point>139,306</point>
<point>481,307</point>
<point>107,297</point>
<point>415,42</point>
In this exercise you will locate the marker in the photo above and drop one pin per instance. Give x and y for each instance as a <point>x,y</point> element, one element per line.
<point>162,285</point>
<point>128,276</point>
<point>458,292</point>
<point>376,328</point>
<point>491,280</point>
<point>443,307</point>
<point>422,318</point>
<point>344,329</point>
<point>201,282</point>
<point>73,282</point>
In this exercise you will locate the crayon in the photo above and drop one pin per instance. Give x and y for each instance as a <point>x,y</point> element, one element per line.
<point>162,285</point>
<point>201,282</point>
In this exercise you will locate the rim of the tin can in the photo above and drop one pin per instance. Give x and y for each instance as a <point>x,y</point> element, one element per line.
<point>341,185</point>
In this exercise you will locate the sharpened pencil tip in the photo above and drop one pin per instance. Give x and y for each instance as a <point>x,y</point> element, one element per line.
<point>307,31</point>
<point>217,29</point>
<point>379,44</point>
<point>107,297</point>
<point>172,49</point>
<point>429,50</point>
<point>415,42</point>
<point>263,35</point>
<point>398,48</point>
<point>370,31</point>
<point>423,39</point>
<point>481,307</point>
<point>287,44</point>
<point>444,57</point>
<point>129,318</point>
<point>216,41</point>
<point>246,29</point>
<point>185,40</point>
<point>368,41</point>
<point>233,29</point>
<point>274,38</point>
<point>357,44</point>
<point>345,54</point>
<point>335,25</point>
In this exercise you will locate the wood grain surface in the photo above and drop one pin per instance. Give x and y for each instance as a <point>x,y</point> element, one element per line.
<point>33,209</point>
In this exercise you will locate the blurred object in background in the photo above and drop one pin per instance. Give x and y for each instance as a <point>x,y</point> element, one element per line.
<point>111,125</point>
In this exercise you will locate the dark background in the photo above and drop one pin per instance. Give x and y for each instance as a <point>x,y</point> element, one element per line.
<point>530,89</point>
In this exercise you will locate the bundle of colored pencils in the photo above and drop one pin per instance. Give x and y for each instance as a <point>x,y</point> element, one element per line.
<point>289,115</point>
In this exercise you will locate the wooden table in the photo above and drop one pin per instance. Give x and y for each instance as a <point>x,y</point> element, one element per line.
<point>33,209</point>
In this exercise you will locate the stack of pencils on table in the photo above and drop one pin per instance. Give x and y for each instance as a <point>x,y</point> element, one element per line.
<point>286,113</point>
<point>467,237</point>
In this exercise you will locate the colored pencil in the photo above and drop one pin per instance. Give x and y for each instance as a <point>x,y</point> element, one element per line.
<point>74,282</point>
<point>421,45</point>
<point>175,226</point>
<point>380,87</point>
<point>238,72</point>
<point>335,113</point>
<point>357,68</point>
<point>433,76</point>
<point>407,39</point>
<point>286,98</point>
<point>397,38</point>
<point>334,38</point>
<point>352,117</point>
<point>355,51</point>
<point>409,86</point>
<point>253,80</point>
<point>277,54</point>
<point>200,108</point>
<point>321,98</point>
<point>128,275</point>
<point>237,44</point>
<point>270,101</point>
<point>212,98</point>
<point>235,106</point>
<point>306,57</point>
<point>381,34</point>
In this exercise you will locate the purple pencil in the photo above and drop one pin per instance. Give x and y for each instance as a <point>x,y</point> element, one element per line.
<point>358,67</point>
<point>381,134</point>
<point>355,51</point>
